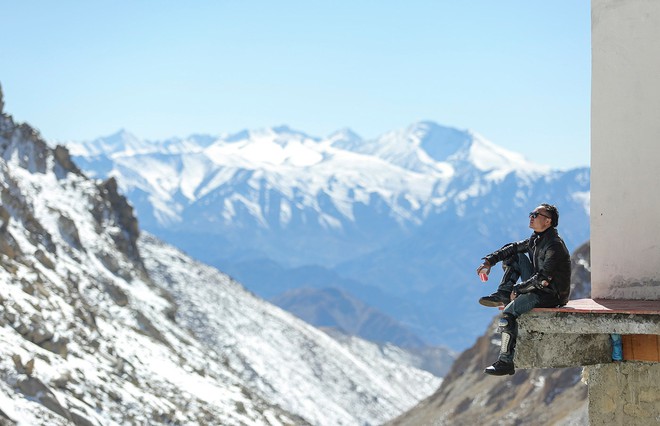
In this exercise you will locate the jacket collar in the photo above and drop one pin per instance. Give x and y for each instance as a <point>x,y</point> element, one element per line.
<point>537,236</point>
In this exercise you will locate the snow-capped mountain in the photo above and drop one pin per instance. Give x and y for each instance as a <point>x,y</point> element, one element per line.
<point>101,324</point>
<point>409,213</point>
<point>278,177</point>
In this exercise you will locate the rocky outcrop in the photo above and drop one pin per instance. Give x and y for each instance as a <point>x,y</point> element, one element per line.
<point>22,145</point>
<point>114,209</point>
<point>69,231</point>
<point>35,388</point>
<point>63,160</point>
<point>25,145</point>
<point>8,246</point>
<point>18,208</point>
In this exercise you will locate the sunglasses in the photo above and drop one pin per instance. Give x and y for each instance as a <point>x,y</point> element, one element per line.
<point>537,214</point>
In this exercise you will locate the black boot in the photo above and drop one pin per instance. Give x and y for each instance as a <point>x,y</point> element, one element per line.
<point>500,368</point>
<point>508,326</point>
<point>499,298</point>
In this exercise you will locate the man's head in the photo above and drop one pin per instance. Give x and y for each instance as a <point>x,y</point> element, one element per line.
<point>543,217</point>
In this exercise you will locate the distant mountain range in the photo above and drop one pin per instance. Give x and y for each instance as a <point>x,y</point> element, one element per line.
<point>399,222</point>
<point>334,308</point>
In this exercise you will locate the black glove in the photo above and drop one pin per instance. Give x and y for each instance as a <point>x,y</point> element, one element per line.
<point>533,283</point>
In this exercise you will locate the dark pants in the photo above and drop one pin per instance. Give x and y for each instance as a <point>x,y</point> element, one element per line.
<point>518,266</point>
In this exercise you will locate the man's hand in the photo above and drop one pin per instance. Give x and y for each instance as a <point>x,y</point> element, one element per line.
<point>484,268</point>
<point>529,285</point>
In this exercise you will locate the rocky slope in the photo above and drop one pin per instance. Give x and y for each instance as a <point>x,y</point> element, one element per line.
<point>341,315</point>
<point>538,397</point>
<point>101,325</point>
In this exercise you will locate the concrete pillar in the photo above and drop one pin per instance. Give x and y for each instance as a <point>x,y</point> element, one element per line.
<point>623,393</point>
<point>625,198</point>
<point>625,149</point>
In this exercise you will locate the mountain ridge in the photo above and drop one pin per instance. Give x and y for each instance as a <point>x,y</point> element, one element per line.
<point>404,212</point>
<point>284,171</point>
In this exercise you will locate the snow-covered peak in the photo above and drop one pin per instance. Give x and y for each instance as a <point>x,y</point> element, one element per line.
<point>344,139</point>
<point>423,147</point>
<point>488,157</point>
<point>407,168</point>
<point>438,142</point>
<point>190,144</point>
<point>278,134</point>
<point>276,146</point>
<point>403,148</point>
<point>121,141</point>
<point>426,145</point>
<point>125,144</point>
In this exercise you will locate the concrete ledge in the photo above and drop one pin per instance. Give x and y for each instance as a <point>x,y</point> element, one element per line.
<point>589,323</point>
<point>541,350</point>
<point>578,334</point>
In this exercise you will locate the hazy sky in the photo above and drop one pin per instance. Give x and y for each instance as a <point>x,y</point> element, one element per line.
<point>517,72</point>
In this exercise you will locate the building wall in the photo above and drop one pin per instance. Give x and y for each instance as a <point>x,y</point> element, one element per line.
<point>624,393</point>
<point>625,149</point>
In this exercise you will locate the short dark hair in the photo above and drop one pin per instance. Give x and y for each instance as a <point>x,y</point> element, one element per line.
<point>554,213</point>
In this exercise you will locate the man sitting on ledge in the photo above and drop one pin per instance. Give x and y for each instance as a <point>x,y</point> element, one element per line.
<point>544,265</point>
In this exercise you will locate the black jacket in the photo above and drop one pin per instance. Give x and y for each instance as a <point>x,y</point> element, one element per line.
<point>550,259</point>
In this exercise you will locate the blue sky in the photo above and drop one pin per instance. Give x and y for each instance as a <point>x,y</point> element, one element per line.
<point>517,72</point>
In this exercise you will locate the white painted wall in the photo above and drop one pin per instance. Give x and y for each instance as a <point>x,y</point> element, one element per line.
<point>625,149</point>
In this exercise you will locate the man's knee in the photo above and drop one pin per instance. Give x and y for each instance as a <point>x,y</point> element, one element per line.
<point>508,327</point>
<point>507,323</point>
<point>511,262</point>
